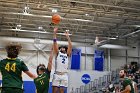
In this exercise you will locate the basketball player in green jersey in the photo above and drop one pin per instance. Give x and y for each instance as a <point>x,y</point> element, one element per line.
<point>42,81</point>
<point>126,83</point>
<point>11,69</point>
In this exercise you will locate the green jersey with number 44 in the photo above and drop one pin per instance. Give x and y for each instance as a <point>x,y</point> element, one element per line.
<point>11,69</point>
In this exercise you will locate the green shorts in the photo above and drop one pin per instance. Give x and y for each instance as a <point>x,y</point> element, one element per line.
<point>11,90</point>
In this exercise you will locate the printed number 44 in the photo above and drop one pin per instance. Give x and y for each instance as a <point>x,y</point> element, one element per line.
<point>9,67</point>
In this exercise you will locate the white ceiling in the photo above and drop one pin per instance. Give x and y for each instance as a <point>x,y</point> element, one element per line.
<point>105,18</point>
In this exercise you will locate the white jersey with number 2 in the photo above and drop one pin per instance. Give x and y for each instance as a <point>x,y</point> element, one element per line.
<point>61,62</point>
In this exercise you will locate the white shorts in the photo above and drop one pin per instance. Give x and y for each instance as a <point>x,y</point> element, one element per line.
<point>60,80</point>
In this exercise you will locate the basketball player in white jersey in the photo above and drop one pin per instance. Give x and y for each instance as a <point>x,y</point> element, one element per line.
<point>60,77</point>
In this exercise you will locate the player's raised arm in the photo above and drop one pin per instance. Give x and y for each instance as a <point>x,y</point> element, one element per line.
<point>50,60</point>
<point>69,43</point>
<point>55,45</point>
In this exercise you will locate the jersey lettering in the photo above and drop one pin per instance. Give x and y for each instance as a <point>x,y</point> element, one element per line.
<point>13,67</point>
<point>63,56</point>
<point>41,82</point>
<point>63,60</point>
<point>9,67</point>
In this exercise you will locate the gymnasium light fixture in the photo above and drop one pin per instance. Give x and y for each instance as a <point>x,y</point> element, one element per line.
<point>26,10</point>
<point>18,27</point>
<point>113,38</point>
<point>67,30</point>
<point>54,10</point>
<point>86,14</point>
<point>40,27</point>
<point>83,20</point>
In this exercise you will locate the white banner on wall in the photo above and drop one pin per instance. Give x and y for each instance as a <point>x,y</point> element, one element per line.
<point>78,78</point>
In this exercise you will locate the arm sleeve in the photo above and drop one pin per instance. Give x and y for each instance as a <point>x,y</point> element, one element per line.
<point>24,67</point>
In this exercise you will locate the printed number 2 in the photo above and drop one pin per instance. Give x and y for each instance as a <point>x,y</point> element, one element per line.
<point>63,60</point>
<point>9,67</point>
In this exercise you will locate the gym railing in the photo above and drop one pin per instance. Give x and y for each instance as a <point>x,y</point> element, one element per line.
<point>97,85</point>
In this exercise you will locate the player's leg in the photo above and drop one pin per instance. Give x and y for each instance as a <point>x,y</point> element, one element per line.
<point>55,83</point>
<point>64,83</point>
<point>54,89</point>
<point>61,90</point>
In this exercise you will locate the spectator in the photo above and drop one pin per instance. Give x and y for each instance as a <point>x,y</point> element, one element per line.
<point>126,84</point>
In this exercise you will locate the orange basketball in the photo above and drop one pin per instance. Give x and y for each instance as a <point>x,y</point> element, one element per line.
<point>56,19</point>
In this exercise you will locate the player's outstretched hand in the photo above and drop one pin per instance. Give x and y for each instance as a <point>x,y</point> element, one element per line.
<point>67,33</point>
<point>55,30</point>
